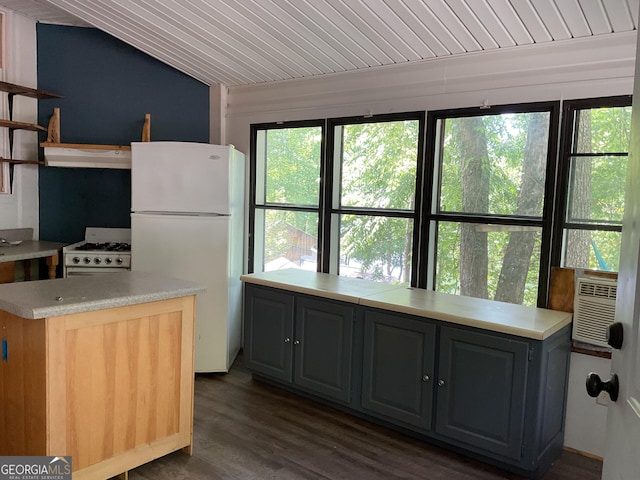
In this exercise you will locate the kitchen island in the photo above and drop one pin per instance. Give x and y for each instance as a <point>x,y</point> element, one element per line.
<point>99,368</point>
<point>481,377</point>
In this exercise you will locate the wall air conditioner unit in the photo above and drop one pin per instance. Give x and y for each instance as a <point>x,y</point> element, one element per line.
<point>594,308</point>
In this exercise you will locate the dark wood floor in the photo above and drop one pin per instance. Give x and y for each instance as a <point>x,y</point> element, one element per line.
<point>247,430</point>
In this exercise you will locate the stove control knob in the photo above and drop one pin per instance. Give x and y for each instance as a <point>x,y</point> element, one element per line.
<point>86,260</point>
<point>75,260</point>
<point>97,260</point>
<point>119,261</point>
<point>108,260</point>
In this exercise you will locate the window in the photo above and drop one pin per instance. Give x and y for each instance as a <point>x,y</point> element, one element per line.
<point>490,218</point>
<point>593,170</point>
<point>349,211</point>
<point>477,202</point>
<point>373,208</point>
<point>286,207</point>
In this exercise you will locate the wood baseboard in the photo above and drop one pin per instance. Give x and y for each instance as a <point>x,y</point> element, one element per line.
<point>584,454</point>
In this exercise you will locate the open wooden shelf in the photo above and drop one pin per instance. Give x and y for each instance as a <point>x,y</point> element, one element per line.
<point>21,125</point>
<point>26,91</point>
<point>86,155</point>
<point>20,162</point>
<point>12,90</point>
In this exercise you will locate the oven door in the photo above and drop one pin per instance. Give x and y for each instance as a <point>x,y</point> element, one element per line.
<point>91,271</point>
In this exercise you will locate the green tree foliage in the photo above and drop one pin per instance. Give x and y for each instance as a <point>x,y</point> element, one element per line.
<point>293,166</point>
<point>596,193</point>
<point>378,171</point>
<point>291,177</point>
<point>490,165</point>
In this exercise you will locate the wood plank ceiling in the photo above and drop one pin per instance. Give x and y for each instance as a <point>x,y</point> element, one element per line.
<point>242,42</point>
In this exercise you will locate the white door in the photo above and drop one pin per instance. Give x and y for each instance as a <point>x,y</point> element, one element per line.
<point>622,452</point>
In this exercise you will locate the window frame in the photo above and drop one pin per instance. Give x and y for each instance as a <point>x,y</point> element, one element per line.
<point>327,245</point>
<point>253,205</point>
<point>569,110</point>
<point>426,215</point>
<point>426,265</point>
<point>331,238</point>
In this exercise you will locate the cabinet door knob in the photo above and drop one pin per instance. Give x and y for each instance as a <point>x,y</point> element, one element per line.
<point>287,340</point>
<point>441,383</point>
<point>296,342</point>
<point>425,378</point>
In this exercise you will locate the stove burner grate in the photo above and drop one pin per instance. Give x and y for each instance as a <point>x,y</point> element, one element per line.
<point>105,247</point>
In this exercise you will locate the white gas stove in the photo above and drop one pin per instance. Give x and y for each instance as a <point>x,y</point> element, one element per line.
<point>103,250</point>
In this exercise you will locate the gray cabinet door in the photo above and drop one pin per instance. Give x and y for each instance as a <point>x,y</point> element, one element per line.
<point>481,390</point>
<point>398,368</point>
<point>268,331</point>
<point>323,347</point>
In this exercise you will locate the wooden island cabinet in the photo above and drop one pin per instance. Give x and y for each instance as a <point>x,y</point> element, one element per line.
<point>484,378</point>
<point>98,368</point>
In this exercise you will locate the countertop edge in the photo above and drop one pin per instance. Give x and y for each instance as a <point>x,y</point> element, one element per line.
<point>40,299</point>
<point>300,289</point>
<point>535,333</point>
<point>94,305</point>
<point>470,322</point>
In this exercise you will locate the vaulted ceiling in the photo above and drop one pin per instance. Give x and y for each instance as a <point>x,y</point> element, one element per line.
<point>243,42</point>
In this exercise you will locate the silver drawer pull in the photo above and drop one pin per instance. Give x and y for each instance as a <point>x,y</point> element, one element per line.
<point>441,383</point>
<point>426,378</point>
<point>296,342</point>
<point>287,340</point>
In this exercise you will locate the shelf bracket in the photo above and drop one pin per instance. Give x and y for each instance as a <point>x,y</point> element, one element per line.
<point>53,131</point>
<point>146,128</point>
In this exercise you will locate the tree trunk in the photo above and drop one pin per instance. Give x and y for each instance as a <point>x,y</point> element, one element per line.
<point>475,198</point>
<point>515,264</point>
<point>406,253</point>
<point>579,241</point>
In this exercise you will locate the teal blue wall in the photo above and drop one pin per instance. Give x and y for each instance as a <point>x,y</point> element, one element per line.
<point>108,87</point>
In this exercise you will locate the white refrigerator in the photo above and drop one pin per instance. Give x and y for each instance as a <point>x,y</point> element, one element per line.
<point>187,210</point>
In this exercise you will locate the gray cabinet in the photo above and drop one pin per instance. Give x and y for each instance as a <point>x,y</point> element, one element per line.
<point>398,368</point>
<point>481,390</point>
<point>498,397</point>
<point>268,328</point>
<point>301,340</point>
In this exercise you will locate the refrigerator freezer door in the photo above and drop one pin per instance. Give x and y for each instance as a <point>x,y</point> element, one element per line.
<point>201,249</point>
<point>184,177</point>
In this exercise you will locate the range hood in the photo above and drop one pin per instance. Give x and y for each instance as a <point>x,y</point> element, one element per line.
<point>86,156</point>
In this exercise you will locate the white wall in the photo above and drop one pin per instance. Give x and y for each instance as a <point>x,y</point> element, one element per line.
<point>582,68</point>
<point>592,67</point>
<point>586,421</point>
<point>20,208</point>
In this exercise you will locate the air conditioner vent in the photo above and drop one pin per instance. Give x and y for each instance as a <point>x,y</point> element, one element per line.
<point>591,289</point>
<point>594,308</point>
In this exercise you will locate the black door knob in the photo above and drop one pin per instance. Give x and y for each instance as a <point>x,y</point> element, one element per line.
<point>595,385</point>
<point>615,335</point>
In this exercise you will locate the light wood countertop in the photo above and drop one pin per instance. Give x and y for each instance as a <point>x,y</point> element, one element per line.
<point>528,322</point>
<point>320,284</point>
